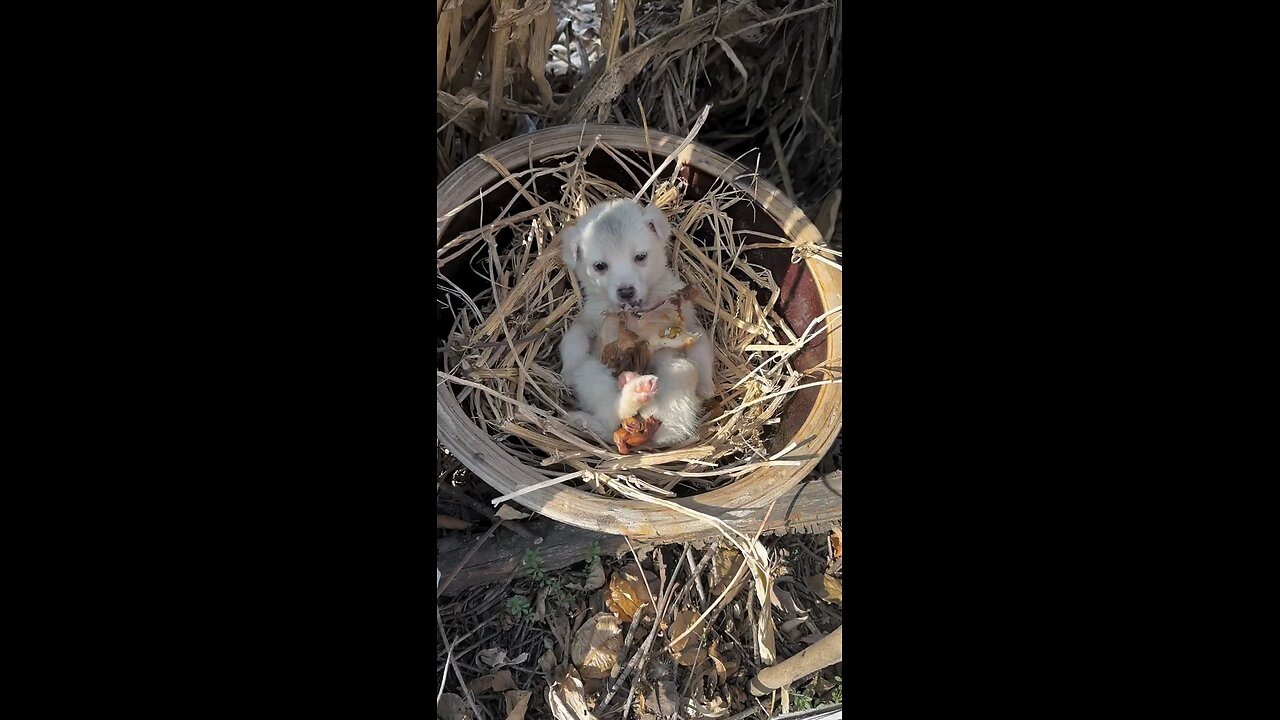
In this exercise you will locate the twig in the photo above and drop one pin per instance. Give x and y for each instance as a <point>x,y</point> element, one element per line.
<point>479,507</point>
<point>466,691</point>
<point>675,153</point>
<point>782,162</point>
<point>536,486</point>
<point>500,343</point>
<point>449,578</point>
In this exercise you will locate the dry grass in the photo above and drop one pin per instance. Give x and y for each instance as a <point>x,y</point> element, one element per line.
<point>771,70</point>
<point>502,354</point>
<point>711,611</point>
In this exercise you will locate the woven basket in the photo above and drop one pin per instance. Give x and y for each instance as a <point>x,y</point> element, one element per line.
<point>811,417</point>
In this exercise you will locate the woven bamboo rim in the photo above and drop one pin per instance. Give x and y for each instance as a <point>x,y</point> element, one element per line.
<point>637,519</point>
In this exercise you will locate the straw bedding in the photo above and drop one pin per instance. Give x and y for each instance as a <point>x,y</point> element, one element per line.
<point>502,351</point>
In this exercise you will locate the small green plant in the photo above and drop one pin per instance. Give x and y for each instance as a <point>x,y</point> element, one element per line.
<point>518,607</point>
<point>559,594</point>
<point>533,563</point>
<point>593,554</point>
<point>836,694</point>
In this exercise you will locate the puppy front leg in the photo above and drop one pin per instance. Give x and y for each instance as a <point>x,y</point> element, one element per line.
<point>574,347</point>
<point>703,357</point>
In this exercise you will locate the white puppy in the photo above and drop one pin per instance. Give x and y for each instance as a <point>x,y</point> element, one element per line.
<point>618,251</point>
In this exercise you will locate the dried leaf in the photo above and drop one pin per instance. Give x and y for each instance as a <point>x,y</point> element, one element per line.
<point>565,697</point>
<point>480,684</point>
<point>764,623</point>
<point>663,700</point>
<point>791,628</point>
<point>497,657</point>
<point>452,707</point>
<point>445,522</point>
<point>517,703</point>
<point>786,603</point>
<point>627,593</point>
<point>715,708</point>
<point>727,563</point>
<point>595,578</point>
<point>506,512</point>
<point>502,681</point>
<point>726,661</point>
<point>596,646</point>
<point>826,587</point>
<point>547,662</point>
<point>686,645</point>
<point>837,541</point>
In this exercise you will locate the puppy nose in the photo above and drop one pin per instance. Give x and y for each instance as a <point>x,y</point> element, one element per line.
<point>626,293</point>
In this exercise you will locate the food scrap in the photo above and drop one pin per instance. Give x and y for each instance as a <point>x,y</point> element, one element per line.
<point>635,431</point>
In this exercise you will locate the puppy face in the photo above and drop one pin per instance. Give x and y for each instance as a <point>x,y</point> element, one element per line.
<point>618,250</point>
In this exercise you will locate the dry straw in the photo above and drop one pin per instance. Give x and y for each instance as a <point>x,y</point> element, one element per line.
<point>502,354</point>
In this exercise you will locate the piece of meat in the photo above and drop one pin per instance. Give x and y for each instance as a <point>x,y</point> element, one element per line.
<point>635,431</point>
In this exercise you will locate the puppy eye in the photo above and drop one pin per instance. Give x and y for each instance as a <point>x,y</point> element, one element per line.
<point>641,257</point>
<point>601,267</point>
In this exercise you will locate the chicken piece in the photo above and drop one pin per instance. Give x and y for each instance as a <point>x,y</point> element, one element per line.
<point>630,338</point>
<point>628,353</point>
<point>663,327</point>
<point>635,431</point>
<point>624,350</point>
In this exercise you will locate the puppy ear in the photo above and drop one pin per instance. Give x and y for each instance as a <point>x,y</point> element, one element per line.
<point>657,221</point>
<point>570,243</point>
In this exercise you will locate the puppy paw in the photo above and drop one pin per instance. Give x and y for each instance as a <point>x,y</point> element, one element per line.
<point>625,378</point>
<point>640,389</point>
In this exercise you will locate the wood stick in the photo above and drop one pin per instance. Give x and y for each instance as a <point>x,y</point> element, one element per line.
<point>809,507</point>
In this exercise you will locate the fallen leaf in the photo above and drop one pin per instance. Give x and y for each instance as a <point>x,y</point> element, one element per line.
<point>565,697</point>
<point>663,700</point>
<point>596,646</point>
<point>627,593</point>
<point>786,603</point>
<point>506,512</point>
<point>679,631</point>
<point>452,707</point>
<point>791,628</point>
<point>502,681</point>
<point>836,541</point>
<point>726,565</point>
<point>685,644</point>
<point>445,522</point>
<point>763,582</point>
<point>497,657</point>
<point>595,578</point>
<point>517,703</point>
<point>722,672</point>
<point>826,587</point>
<point>480,684</point>
<point>714,709</point>
<point>726,662</point>
<point>819,685</point>
<point>547,662</point>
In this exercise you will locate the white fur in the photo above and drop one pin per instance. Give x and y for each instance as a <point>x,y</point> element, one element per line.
<point>615,233</point>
